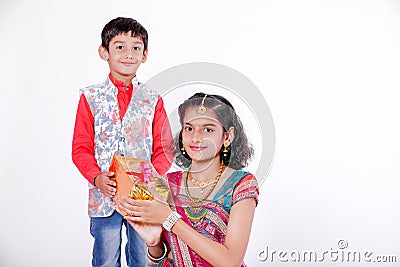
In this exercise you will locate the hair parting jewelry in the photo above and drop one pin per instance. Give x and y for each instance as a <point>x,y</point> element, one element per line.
<point>202,109</point>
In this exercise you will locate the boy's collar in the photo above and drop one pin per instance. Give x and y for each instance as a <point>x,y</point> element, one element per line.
<point>121,85</point>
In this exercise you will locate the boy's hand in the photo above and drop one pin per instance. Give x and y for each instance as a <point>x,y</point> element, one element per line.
<point>105,184</point>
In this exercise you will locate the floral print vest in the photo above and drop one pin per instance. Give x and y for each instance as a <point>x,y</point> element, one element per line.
<point>131,136</point>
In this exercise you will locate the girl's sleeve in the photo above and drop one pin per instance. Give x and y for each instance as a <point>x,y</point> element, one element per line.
<point>246,188</point>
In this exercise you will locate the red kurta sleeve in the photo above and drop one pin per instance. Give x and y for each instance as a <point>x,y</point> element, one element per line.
<point>162,154</point>
<point>83,142</point>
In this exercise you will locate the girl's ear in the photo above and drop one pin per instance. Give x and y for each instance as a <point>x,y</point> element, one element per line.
<point>103,53</point>
<point>229,135</point>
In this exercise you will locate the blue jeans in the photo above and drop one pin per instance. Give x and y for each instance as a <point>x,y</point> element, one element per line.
<point>107,243</point>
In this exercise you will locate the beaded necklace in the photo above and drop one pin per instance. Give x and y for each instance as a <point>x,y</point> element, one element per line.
<point>198,211</point>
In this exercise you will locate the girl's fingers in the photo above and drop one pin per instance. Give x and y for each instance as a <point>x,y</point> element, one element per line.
<point>133,219</point>
<point>128,200</point>
<point>123,203</point>
<point>132,211</point>
<point>128,203</point>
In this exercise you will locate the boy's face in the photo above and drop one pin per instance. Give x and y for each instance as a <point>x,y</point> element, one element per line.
<point>124,56</point>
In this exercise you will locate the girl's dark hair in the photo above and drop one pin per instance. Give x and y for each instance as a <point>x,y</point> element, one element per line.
<point>123,25</point>
<point>241,149</point>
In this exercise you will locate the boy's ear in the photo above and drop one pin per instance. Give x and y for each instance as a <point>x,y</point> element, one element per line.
<point>103,53</point>
<point>144,57</point>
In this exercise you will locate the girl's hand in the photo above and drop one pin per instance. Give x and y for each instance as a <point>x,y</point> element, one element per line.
<point>151,233</point>
<point>145,211</point>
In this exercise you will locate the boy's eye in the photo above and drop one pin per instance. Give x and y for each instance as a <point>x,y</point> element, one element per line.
<point>136,48</point>
<point>120,47</point>
<point>188,128</point>
<point>208,130</point>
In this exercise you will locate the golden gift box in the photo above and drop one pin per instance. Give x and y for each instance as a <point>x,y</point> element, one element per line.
<point>137,179</point>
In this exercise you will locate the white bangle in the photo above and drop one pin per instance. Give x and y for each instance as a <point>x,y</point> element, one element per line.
<point>171,220</point>
<point>156,260</point>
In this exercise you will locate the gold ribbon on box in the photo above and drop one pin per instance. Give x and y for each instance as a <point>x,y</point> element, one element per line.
<point>140,192</point>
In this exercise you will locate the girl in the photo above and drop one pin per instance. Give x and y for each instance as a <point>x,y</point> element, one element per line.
<point>214,201</point>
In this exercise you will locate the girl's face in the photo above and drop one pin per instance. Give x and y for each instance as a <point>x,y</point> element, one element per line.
<point>203,135</point>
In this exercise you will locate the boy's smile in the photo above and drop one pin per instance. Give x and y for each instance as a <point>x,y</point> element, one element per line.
<point>124,56</point>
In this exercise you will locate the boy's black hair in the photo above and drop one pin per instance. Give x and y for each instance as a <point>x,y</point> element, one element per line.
<point>123,25</point>
<point>241,149</point>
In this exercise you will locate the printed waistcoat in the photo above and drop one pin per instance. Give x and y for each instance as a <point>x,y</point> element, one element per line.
<point>130,137</point>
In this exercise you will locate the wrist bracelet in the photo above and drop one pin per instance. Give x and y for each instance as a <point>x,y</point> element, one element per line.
<point>171,220</point>
<point>154,245</point>
<point>156,260</point>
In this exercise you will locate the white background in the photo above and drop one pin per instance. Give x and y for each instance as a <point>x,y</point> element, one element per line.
<point>329,71</point>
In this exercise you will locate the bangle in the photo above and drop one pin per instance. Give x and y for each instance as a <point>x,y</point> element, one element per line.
<point>154,245</point>
<point>156,260</point>
<point>171,220</point>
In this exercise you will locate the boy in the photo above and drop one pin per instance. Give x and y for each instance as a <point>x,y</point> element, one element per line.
<point>120,116</point>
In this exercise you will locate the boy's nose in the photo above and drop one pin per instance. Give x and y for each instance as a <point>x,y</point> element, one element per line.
<point>129,55</point>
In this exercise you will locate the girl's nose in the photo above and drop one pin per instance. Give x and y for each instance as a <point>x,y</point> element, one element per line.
<point>197,137</point>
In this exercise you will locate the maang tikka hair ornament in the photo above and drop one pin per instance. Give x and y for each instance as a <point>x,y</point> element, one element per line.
<point>202,109</point>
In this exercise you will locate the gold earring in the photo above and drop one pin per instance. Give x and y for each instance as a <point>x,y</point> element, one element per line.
<point>183,147</point>
<point>183,151</point>
<point>225,147</point>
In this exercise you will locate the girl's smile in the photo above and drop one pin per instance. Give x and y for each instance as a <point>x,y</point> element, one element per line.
<point>197,148</point>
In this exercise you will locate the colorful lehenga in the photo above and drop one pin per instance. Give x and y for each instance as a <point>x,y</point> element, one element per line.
<point>210,217</point>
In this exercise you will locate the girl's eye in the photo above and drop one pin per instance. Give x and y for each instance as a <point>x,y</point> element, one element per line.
<point>188,128</point>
